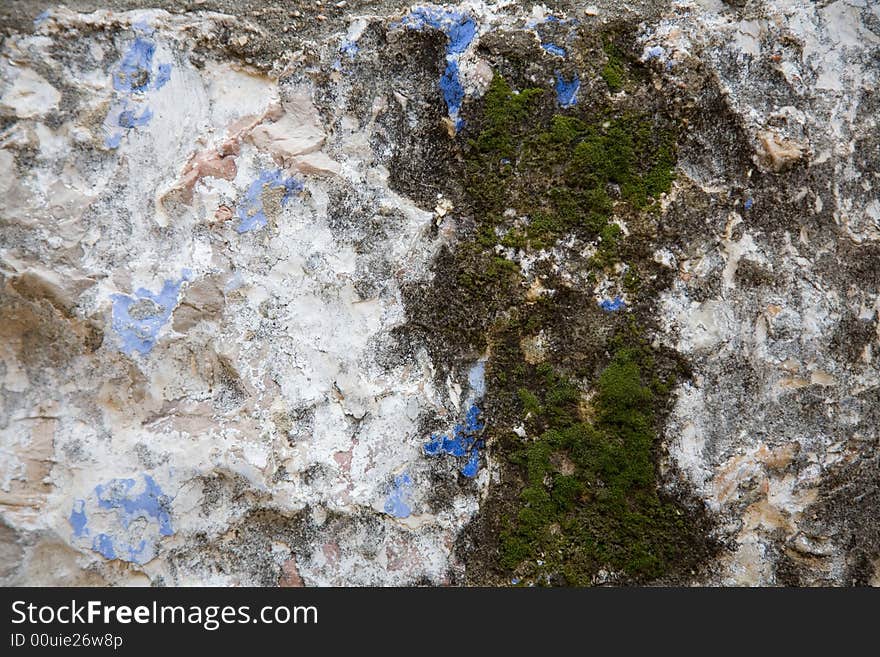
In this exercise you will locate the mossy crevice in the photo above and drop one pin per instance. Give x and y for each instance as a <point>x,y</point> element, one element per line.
<point>580,493</point>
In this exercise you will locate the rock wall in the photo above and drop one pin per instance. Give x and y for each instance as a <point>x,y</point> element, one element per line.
<point>346,295</point>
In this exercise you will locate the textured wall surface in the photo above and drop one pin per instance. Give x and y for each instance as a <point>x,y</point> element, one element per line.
<point>493,293</point>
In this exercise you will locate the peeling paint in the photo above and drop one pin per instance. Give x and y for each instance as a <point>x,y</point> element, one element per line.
<point>463,441</point>
<point>78,519</point>
<point>289,392</point>
<point>399,500</point>
<point>566,90</point>
<point>138,318</point>
<point>132,78</point>
<point>612,305</point>
<point>250,210</point>
<point>460,29</point>
<point>150,503</point>
<point>131,518</point>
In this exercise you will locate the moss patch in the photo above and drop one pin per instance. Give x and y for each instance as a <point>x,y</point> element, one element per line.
<point>563,175</point>
<point>615,71</point>
<point>590,498</point>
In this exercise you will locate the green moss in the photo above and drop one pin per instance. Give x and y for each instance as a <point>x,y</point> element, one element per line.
<point>482,277</point>
<point>590,499</point>
<point>556,173</point>
<point>631,280</point>
<point>531,404</point>
<point>615,70</point>
<point>580,493</point>
<point>607,251</point>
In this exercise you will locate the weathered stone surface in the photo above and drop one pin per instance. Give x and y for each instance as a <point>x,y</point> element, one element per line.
<point>256,328</point>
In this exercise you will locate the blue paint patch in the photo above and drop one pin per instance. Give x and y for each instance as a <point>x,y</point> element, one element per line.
<point>113,141</point>
<point>462,438</point>
<point>42,17</point>
<point>143,27</point>
<point>473,424</point>
<point>399,500</point>
<point>458,443</point>
<point>460,29</point>
<point>464,441</point>
<point>748,204</point>
<point>103,544</point>
<point>350,49</point>
<point>612,305</point>
<point>553,49</point>
<point>137,555</point>
<point>135,70</point>
<point>458,26</point>
<point>655,52</point>
<point>132,78</point>
<point>151,503</point>
<point>128,119</point>
<point>472,466</point>
<point>78,519</point>
<point>123,118</point>
<point>151,312</point>
<point>133,519</point>
<point>162,76</point>
<point>566,92</point>
<point>453,91</point>
<point>433,446</point>
<point>250,211</point>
